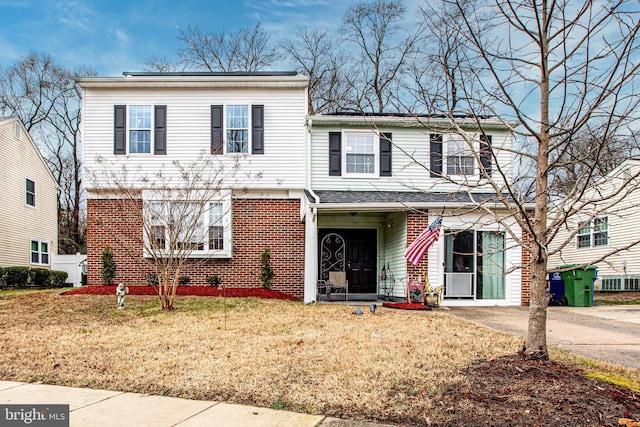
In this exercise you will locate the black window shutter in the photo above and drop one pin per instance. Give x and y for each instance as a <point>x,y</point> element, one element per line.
<point>160,130</point>
<point>119,129</point>
<point>435,147</point>
<point>485,153</point>
<point>385,154</point>
<point>257,129</point>
<point>335,153</point>
<point>216,130</point>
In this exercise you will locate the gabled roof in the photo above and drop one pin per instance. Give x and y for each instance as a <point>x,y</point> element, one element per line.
<point>7,120</point>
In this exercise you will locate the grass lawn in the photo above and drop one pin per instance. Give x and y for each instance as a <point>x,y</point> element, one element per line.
<point>393,366</point>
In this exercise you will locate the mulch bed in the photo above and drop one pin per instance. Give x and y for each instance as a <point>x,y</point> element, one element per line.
<point>202,291</point>
<point>513,390</point>
<point>406,306</point>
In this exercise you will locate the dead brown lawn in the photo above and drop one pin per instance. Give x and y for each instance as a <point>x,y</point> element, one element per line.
<point>391,366</point>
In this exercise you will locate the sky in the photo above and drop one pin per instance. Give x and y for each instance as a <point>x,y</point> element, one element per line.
<point>112,36</point>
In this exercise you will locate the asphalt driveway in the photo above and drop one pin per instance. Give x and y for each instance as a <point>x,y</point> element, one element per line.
<point>608,333</point>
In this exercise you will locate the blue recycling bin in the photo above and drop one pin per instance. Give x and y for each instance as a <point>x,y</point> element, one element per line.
<point>556,290</point>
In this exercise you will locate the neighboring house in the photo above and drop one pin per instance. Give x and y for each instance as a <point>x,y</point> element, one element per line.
<point>604,232</point>
<point>337,187</point>
<point>29,208</point>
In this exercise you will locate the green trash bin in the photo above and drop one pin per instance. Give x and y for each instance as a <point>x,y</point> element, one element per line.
<point>578,284</point>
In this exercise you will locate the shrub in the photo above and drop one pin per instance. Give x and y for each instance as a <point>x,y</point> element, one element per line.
<point>108,271</point>
<point>152,280</point>
<point>17,277</point>
<point>57,278</point>
<point>266,272</point>
<point>3,278</point>
<point>214,280</point>
<point>39,277</point>
<point>184,280</point>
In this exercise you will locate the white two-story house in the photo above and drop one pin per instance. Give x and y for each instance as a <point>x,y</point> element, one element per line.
<point>346,192</point>
<point>29,208</point>
<point>138,128</point>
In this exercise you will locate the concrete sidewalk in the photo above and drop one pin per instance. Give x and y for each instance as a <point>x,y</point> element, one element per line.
<point>608,333</point>
<point>90,408</point>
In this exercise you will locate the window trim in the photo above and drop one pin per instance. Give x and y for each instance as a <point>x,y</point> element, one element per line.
<point>28,193</point>
<point>39,251</point>
<point>375,153</point>
<point>207,252</point>
<point>592,230</point>
<point>129,129</point>
<point>470,151</point>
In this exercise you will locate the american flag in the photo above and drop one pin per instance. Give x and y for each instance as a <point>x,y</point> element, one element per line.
<point>421,245</point>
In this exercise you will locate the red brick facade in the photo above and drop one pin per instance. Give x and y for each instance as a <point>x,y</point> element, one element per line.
<point>257,224</point>
<point>417,222</point>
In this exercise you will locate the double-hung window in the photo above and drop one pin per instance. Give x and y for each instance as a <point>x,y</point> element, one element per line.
<point>39,252</point>
<point>593,233</point>
<point>460,159</point>
<point>360,153</point>
<point>237,129</point>
<point>237,125</point>
<point>139,129</point>
<point>30,196</point>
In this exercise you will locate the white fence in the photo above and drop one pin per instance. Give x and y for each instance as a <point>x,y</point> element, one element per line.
<point>74,265</point>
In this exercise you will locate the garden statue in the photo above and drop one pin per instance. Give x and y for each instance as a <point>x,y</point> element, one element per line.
<point>121,291</point>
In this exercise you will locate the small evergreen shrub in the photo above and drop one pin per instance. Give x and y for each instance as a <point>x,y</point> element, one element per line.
<point>184,280</point>
<point>3,278</point>
<point>108,271</point>
<point>266,272</point>
<point>57,278</point>
<point>214,280</point>
<point>39,278</point>
<point>152,280</point>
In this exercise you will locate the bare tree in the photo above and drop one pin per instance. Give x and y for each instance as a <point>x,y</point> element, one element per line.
<point>552,70</point>
<point>42,95</point>
<point>180,209</point>
<point>384,47</point>
<point>247,50</point>
<point>314,53</point>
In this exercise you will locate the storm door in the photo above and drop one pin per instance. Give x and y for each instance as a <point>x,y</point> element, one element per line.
<point>360,255</point>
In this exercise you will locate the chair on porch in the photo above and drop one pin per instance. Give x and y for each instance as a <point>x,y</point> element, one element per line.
<point>337,283</point>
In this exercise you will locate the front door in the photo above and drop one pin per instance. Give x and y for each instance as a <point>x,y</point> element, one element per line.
<point>360,250</point>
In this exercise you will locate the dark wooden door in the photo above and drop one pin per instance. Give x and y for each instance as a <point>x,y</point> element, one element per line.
<point>360,256</point>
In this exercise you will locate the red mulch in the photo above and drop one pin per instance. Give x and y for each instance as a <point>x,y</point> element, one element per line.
<point>406,305</point>
<point>202,291</point>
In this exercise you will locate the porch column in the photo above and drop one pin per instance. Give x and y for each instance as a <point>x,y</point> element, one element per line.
<point>310,256</point>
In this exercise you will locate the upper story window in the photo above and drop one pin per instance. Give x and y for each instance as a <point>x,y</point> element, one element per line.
<point>455,155</point>
<point>139,129</point>
<point>195,229</point>
<point>237,129</point>
<point>39,252</point>
<point>30,197</point>
<point>237,125</point>
<point>594,233</point>
<point>460,159</point>
<point>360,153</point>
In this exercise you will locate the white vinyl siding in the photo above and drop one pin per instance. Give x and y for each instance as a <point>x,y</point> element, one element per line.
<point>410,162</point>
<point>189,134</point>
<point>620,230</point>
<point>20,222</point>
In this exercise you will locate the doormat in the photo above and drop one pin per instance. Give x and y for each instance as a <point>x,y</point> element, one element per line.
<point>406,306</point>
